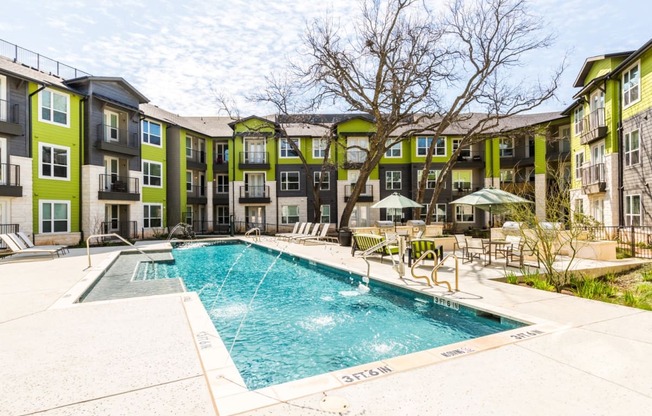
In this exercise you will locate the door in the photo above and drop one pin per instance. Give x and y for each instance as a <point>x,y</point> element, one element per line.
<point>597,162</point>
<point>255,185</point>
<point>596,108</point>
<point>255,217</point>
<point>202,184</point>
<point>111,126</point>
<point>202,150</point>
<point>111,172</point>
<point>113,218</point>
<point>4,105</point>
<point>359,216</point>
<point>4,160</point>
<point>255,150</point>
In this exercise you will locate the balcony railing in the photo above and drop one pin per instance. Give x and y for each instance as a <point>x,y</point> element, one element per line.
<point>38,61</point>
<point>125,229</point>
<point>115,139</point>
<point>119,187</point>
<point>197,156</point>
<point>366,195</point>
<point>196,191</point>
<point>593,179</point>
<point>9,174</point>
<point>8,112</point>
<point>254,159</point>
<point>462,187</point>
<point>593,126</point>
<point>249,193</point>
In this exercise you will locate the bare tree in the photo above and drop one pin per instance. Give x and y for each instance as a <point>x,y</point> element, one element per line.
<point>399,63</point>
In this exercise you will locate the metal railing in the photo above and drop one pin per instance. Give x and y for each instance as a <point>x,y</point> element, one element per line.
<point>8,112</point>
<point>88,247</point>
<point>432,280</point>
<point>633,240</point>
<point>196,191</point>
<point>198,156</point>
<point>8,229</point>
<point>126,229</point>
<point>115,183</point>
<point>593,174</point>
<point>593,120</point>
<point>254,157</point>
<point>109,134</point>
<point>249,191</point>
<point>9,174</point>
<point>38,61</point>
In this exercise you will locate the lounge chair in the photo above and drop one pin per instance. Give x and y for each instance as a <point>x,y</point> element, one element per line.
<point>301,230</point>
<point>322,237</point>
<point>294,230</point>
<point>25,238</point>
<point>363,242</point>
<point>420,246</point>
<point>313,233</point>
<point>16,249</point>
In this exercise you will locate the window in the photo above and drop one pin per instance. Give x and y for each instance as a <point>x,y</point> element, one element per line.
<point>289,214</point>
<point>189,215</point>
<point>579,161</point>
<point>152,215</point>
<point>462,179</point>
<point>319,148</point>
<point>151,133</point>
<point>631,85</point>
<point>393,180</point>
<point>598,210</point>
<point>188,147</point>
<point>394,214</point>
<point>54,161</point>
<point>222,214</point>
<point>356,151</point>
<point>633,210</point>
<point>578,119</point>
<point>286,148</point>
<point>579,207</point>
<point>3,98</point>
<point>325,214</point>
<point>325,180</point>
<point>564,142</point>
<point>432,178</point>
<point>632,146</point>
<point>111,126</point>
<point>440,147</point>
<point>466,150</point>
<point>423,145</point>
<point>54,107</point>
<point>506,176</point>
<point>290,181</point>
<point>438,215</point>
<point>464,213</point>
<point>152,174</point>
<point>506,147</point>
<point>529,147</point>
<point>55,217</point>
<point>394,150</point>
<point>188,181</point>
<point>221,184</point>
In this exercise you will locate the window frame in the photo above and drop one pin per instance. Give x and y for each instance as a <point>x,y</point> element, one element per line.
<point>285,149</point>
<point>627,148</point>
<point>465,149</point>
<point>359,155</point>
<point>326,184</point>
<point>52,202</point>
<point>578,119</point>
<point>455,176</point>
<point>285,214</point>
<point>285,182</point>
<point>41,145</point>
<point>221,186</point>
<point>393,180</point>
<point>319,151</point>
<point>421,150</point>
<point>501,151</point>
<point>626,95</point>
<point>149,175</point>
<point>459,214</point>
<point>578,165</point>
<point>391,151</point>
<point>429,182</point>
<point>41,101</point>
<point>148,134</point>
<point>629,216</point>
<point>147,219</point>
<point>321,213</point>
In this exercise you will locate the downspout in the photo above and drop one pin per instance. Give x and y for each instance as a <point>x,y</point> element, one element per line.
<point>82,120</point>
<point>619,132</point>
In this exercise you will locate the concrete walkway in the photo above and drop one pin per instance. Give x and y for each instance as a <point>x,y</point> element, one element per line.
<point>139,355</point>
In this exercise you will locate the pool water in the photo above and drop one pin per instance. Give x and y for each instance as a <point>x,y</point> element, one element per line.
<point>306,319</point>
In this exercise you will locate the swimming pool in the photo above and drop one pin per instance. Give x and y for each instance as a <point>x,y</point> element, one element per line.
<point>284,318</point>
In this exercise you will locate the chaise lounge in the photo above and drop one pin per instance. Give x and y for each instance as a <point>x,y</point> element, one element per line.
<point>363,242</point>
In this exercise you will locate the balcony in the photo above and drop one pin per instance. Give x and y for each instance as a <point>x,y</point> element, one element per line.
<point>196,194</point>
<point>221,197</point>
<point>254,160</point>
<point>254,194</point>
<point>462,188</point>
<point>593,126</point>
<point>119,188</point>
<point>195,159</point>
<point>10,180</point>
<point>116,140</point>
<point>593,179</point>
<point>9,123</point>
<point>367,194</point>
<point>220,165</point>
<point>125,229</point>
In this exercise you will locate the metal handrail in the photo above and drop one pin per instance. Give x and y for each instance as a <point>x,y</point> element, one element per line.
<point>255,231</point>
<point>88,247</point>
<point>397,266</point>
<point>433,273</point>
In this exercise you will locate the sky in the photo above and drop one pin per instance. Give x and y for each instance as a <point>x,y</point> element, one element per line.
<point>183,54</point>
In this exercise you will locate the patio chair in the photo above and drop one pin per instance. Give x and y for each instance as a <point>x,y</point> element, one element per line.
<point>25,238</point>
<point>322,237</point>
<point>16,249</point>
<point>294,230</point>
<point>519,252</point>
<point>421,246</point>
<point>363,242</point>
<point>476,248</point>
<point>505,249</point>
<point>460,243</point>
<point>303,228</point>
<point>314,232</point>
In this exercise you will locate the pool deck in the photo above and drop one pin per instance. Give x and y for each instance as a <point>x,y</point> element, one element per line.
<point>142,355</point>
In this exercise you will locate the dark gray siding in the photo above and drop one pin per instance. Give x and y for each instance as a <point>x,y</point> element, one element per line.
<point>637,178</point>
<point>328,197</point>
<point>17,129</point>
<point>304,180</point>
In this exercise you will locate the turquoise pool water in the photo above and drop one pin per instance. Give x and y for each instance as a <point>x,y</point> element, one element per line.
<point>306,319</point>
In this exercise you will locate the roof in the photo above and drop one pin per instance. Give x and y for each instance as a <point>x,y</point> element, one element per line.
<point>632,57</point>
<point>119,80</point>
<point>269,119</point>
<point>213,126</point>
<point>209,126</point>
<point>588,64</point>
<point>25,72</point>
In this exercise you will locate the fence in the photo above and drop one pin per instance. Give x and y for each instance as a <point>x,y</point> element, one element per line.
<point>38,61</point>
<point>8,229</point>
<point>633,241</point>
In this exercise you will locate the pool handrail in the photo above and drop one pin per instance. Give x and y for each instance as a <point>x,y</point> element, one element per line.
<point>433,274</point>
<point>255,231</point>
<point>88,247</point>
<point>385,242</point>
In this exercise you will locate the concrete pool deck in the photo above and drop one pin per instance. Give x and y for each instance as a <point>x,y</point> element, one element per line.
<point>141,356</point>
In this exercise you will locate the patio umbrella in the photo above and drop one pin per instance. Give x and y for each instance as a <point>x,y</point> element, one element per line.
<point>396,201</point>
<point>492,200</point>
